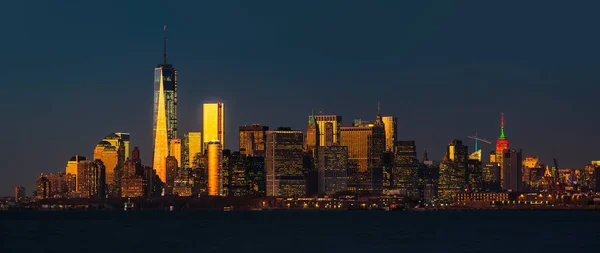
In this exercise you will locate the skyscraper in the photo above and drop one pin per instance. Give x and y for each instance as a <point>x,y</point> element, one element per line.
<point>366,145</point>
<point>453,169</point>
<point>215,168</point>
<point>213,123</point>
<point>405,173</point>
<point>333,128</point>
<point>175,150</point>
<point>171,173</point>
<point>284,167</point>
<point>512,166</point>
<point>391,129</point>
<point>125,137</point>
<point>192,146</point>
<point>333,166</point>
<point>73,164</point>
<point>501,144</point>
<point>165,112</point>
<point>253,140</point>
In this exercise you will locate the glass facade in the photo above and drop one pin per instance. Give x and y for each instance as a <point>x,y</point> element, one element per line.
<point>192,148</point>
<point>213,124</point>
<point>391,129</point>
<point>215,169</point>
<point>284,167</point>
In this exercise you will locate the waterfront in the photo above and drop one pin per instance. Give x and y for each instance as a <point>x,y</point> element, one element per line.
<point>300,231</point>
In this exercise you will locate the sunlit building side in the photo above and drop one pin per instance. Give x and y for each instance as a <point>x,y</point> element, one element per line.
<point>215,168</point>
<point>192,148</point>
<point>213,122</point>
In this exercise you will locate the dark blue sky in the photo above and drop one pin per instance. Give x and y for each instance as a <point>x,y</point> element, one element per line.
<point>74,72</point>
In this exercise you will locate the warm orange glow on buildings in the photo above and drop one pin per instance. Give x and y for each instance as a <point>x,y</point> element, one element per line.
<point>161,148</point>
<point>391,129</point>
<point>213,123</point>
<point>175,150</point>
<point>215,169</point>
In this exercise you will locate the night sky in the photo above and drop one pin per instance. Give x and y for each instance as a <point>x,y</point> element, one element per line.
<point>74,72</point>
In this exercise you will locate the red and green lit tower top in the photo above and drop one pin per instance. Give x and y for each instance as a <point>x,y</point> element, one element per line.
<point>502,143</point>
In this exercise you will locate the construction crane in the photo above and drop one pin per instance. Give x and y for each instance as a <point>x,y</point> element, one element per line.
<point>478,139</point>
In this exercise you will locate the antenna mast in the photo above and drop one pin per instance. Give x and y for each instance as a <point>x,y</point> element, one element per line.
<point>165,45</point>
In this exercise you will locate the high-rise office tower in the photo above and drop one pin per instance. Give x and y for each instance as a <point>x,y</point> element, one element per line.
<point>334,128</point>
<point>405,173</point>
<point>192,147</point>
<point>92,178</point>
<point>175,150</point>
<point>312,137</point>
<point>501,144</point>
<point>284,167</point>
<point>253,140</point>
<point>125,137</point>
<point>366,145</point>
<point>170,173</point>
<point>73,164</point>
<point>512,165</point>
<point>165,112</point>
<point>215,168</point>
<point>453,169</point>
<point>333,165</point>
<point>43,187</point>
<point>391,131</point>
<point>213,123</point>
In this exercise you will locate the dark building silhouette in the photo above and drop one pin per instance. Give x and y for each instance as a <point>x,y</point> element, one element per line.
<point>332,169</point>
<point>171,174</point>
<point>284,163</point>
<point>405,173</point>
<point>512,167</point>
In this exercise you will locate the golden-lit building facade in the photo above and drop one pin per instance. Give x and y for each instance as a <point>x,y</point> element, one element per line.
<point>253,140</point>
<point>192,147</point>
<point>161,140</point>
<point>366,145</point>
<point>213,122</point>
<point>390,124</point>
<point>175,150</point>
<point>312,138</point>
<point>125,138</point>
<point>283,163</point>
<point>73,164</point>
<point>333,128</point>
<point>215,168</point>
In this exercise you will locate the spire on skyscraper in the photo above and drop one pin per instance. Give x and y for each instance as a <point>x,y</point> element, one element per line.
<point>378,119</point>
<point>165,45</point>
<point>502,136</point>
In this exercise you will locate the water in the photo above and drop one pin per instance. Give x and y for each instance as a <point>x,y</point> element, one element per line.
<point>301,231</point>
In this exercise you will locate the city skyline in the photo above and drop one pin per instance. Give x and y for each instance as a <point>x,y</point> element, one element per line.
<point>462,93</point>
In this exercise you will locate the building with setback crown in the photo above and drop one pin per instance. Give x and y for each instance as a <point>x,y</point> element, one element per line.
<point>111,150</point>
<point>284,172</point>
<point>329,128</point>
<point>501,145</point>
<point>165,112</point>
<point>253,140</point>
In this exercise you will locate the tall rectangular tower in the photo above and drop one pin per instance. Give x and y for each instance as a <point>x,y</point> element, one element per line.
<point>285,176</point>
<point>192,147</point>
<point>391,129</point>
<point>366,145</point>
<point>213,123</point>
